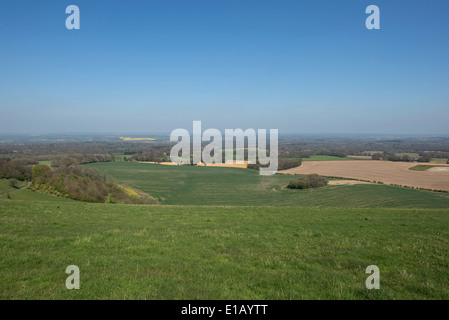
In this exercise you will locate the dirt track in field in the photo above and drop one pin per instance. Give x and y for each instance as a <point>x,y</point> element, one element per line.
<point>388,172</point>
<point>346,182</point>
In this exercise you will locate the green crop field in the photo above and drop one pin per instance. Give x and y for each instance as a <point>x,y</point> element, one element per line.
<point>191,185</point>
<point>229,252</point>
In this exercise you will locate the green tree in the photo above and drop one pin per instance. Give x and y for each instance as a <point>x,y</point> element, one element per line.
<point>40,172</point>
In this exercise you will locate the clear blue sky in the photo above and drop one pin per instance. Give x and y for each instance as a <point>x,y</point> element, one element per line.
<point>151,66</point>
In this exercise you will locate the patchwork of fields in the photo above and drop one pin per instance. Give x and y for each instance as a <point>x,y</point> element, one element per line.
<point>225,233</point>
<point>395,173</point>
<point>191,185</point>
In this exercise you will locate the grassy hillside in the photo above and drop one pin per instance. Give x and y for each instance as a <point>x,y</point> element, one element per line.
<point>31,196</point>
<point>189,185</point>
<point>192,252</point>
<point>259,240</point>
<point>5,187</point>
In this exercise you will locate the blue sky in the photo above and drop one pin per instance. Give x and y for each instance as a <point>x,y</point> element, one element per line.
<point>153,66</point>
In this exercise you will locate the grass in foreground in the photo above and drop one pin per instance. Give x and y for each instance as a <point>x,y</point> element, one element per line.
<point>192,252</point>
<point>5,187</point>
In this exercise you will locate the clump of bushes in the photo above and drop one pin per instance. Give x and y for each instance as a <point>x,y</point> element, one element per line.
<point>83,159</point>
<point>77,182</point>
<point>13,182</point>
<point>307,182</point>
<point>257,165</point>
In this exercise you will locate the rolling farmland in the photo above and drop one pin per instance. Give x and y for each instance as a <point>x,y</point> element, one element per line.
<point>192,185</point>
<point>225,233</point>
<point>394,173</point>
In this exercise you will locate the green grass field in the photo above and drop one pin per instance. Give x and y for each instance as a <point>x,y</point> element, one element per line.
<point>31,196</point>
<point>200,252</point>
<point>236,235</point>
<point>5,187</point>
<point>191,185</point>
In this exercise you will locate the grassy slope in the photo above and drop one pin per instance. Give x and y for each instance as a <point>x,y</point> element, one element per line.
<point>5,187</point>
<point>225,252</point>
<point>29,195</point>
<point>199,252</point>
<point>186,185</point>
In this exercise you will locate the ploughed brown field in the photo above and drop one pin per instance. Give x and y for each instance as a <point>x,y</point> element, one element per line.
<point>388,172</point>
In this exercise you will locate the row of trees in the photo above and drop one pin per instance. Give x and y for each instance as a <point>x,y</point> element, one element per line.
<point>283,164</point>
<point>10,169</point>
<point>50,151</point>
<point>289,152</point>
<point>157,155</point>
<point>83,159</point>
<point>392,157</point>
<point>295,146</point>
<point>404,158</point>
